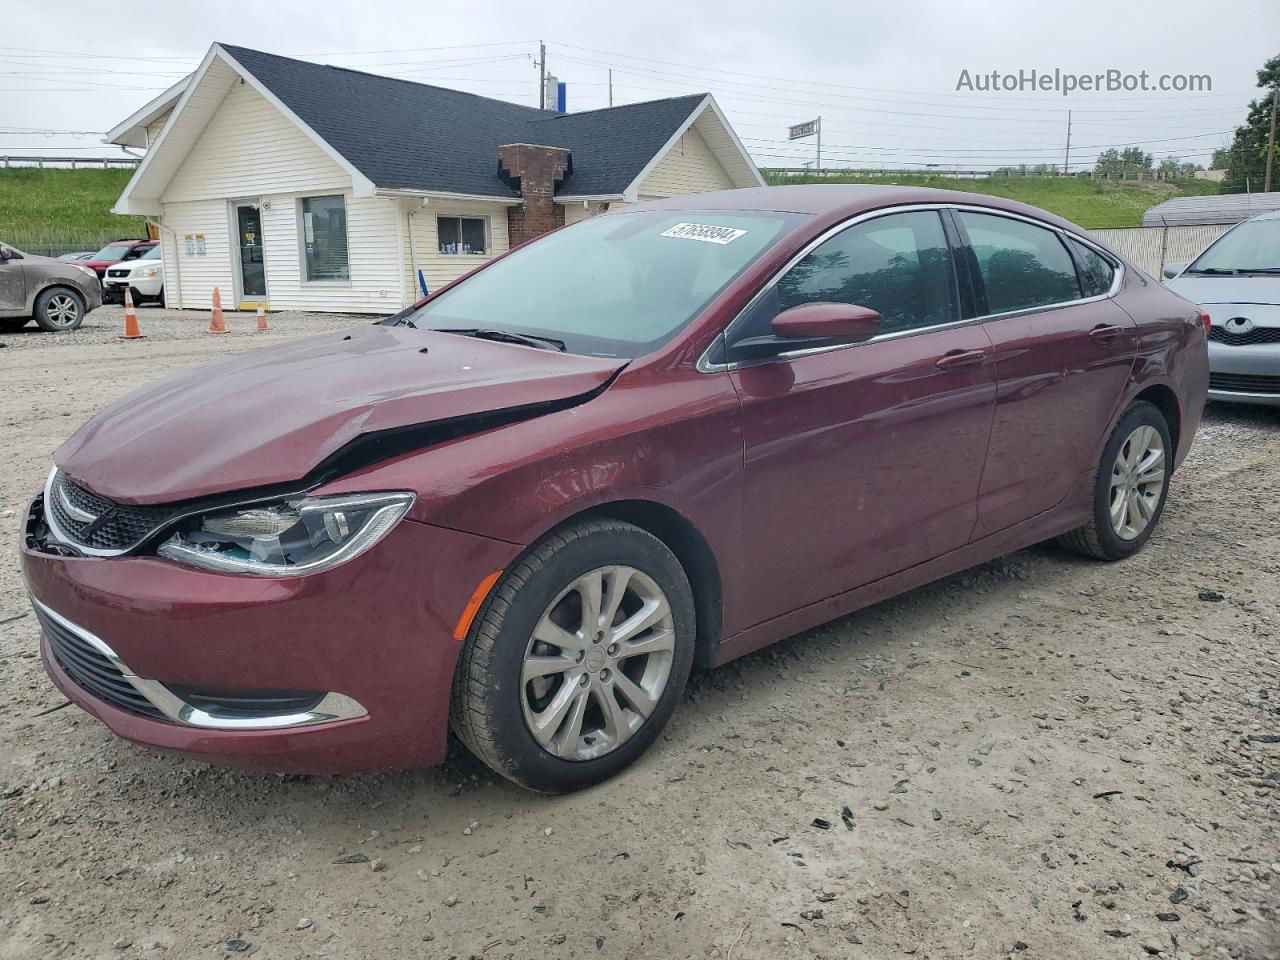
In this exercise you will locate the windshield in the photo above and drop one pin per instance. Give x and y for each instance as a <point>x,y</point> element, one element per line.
<point>1252,246</point>
<point>112,251</point>
<point>153,253</point>
<point>617,286</point>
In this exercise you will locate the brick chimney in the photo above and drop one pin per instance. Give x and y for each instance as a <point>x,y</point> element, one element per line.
<point>535,171</point>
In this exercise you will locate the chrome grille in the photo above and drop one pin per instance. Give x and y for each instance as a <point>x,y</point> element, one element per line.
<point>1256,335</point>
<point>92,669</point>
<point>87,520</point>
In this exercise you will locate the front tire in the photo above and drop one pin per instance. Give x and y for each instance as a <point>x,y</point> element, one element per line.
<point>58,309</point>
<point>1130,488</point>
<point>577,659</point>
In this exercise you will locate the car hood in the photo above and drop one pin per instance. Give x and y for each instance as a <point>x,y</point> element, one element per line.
<point>1209,290</point>
<point>270,416</point>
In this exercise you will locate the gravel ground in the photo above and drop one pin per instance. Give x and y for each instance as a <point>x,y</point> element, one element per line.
<point>1041,757</point>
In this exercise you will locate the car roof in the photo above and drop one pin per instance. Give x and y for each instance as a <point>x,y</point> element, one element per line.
<point>843,199</point>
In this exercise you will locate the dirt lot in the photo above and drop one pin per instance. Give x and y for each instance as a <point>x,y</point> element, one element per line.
<point>1043,757</point>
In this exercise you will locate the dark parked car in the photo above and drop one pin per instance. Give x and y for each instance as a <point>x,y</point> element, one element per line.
<point>117,251</point>
<point>657,438</point>
<point>56,294</point>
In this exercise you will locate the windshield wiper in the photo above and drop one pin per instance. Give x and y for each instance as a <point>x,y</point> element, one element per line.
<point>1214,271</point>
<point>505,336</point>
<point>1266,270</point>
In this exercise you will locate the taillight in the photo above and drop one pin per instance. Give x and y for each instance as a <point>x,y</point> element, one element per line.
<point>1204,318</point>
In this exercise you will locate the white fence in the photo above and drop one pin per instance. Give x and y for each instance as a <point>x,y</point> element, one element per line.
<point>1152,247</point>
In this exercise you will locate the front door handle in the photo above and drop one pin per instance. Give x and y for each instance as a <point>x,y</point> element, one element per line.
<point>1105,331</point>
<point>961,358</point>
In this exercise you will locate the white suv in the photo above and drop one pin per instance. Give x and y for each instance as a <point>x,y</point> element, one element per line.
<point>144,276</point>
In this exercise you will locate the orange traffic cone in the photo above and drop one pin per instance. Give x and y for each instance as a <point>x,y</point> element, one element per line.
<point>217,324</point>
<point>131,331</point>
<point>262,320</point>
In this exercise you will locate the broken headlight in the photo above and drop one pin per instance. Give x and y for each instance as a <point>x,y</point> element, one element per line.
<point>288,538</point>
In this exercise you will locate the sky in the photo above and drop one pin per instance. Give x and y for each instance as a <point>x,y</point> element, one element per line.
<point>882,75</point>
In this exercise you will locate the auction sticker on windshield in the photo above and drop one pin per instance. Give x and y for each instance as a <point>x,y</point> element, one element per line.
<point>706,232</point>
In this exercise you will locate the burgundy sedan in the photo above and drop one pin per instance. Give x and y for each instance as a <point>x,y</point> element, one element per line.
<point>525,508</point>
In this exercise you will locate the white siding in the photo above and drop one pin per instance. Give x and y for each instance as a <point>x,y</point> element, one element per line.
<point>249,148</point>
<point>688,167</point>
<point>1152,247</point>
<point>154,127</point>
<point>440,268</point>
<point>189,280</point>
<point>373,255</point>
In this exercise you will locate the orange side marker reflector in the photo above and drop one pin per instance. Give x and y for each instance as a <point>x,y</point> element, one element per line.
<point>477,598</point>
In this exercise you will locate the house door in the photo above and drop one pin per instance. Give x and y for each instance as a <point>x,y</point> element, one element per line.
<point>251,272</point>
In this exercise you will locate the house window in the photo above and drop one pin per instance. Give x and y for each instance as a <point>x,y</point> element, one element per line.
<point>324,238</point>
<point>462,234</point>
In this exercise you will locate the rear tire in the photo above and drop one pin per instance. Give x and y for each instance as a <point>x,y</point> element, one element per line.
<point>562,715</point>
<point>59,309</point>
<point>1130,488</point>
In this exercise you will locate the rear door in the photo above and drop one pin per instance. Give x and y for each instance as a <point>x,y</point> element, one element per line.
<point>861,459</point>
<point>1063,353</point>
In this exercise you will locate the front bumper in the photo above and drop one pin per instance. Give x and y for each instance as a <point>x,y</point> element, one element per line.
<point>113,288</point>
<point>374,634</point>
<point>1244,373</point>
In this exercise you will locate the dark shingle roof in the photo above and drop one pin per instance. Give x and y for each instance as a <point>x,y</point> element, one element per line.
<point>407,135</point>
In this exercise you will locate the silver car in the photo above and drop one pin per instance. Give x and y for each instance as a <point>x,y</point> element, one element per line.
<point>1237,282</point>
<point>55,294</point>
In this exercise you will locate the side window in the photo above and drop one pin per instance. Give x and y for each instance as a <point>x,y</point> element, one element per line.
<point>898,265</point>
<point>1022,265</point>
<point>1096,273</point>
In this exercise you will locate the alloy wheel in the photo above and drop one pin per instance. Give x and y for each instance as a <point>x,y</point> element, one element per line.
<point>597,663</point>
<point>1137,482</point>
<point>62,310</point>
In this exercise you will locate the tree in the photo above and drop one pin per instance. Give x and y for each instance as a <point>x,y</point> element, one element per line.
<point>1247,155</point>
<point>1173,167</point>
<point>1127,162</point>
<point>1219,159</point>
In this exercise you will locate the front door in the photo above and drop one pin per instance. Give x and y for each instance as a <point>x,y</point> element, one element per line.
<point>862,460</point>
<point>1063,353</point>
<point>250,263</point>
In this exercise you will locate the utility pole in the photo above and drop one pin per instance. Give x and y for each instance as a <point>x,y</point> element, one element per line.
<point>1066,159</point>
<point>1271,139</point>
<point>611,87</point>
<point>542,75</point>
<point>819,146</point>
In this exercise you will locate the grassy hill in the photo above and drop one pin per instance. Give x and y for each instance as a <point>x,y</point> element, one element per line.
<point>57,211</point>
<point>1094,204</point>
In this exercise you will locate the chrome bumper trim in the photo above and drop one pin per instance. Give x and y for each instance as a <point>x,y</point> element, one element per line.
<point>334,706</point>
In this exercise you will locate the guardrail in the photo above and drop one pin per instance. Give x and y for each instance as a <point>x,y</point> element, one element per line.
<point>75,163</point>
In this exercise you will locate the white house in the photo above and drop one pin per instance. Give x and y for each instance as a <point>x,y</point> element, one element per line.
<point>311,187</point>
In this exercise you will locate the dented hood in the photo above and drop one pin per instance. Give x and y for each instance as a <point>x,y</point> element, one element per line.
<point>270,416</point>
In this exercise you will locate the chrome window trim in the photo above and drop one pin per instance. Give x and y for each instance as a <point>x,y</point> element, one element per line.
<point>704,364</point>
<point>333,706</point>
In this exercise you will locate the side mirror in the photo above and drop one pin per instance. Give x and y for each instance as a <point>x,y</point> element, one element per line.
<point>1174,268</point>
<point>825,320</point>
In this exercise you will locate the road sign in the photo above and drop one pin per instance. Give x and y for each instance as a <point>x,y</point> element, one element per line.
<point>807,129</point>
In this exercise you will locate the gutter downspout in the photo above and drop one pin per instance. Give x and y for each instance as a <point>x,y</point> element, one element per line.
<point>177,257</point>
<point>413,255</point>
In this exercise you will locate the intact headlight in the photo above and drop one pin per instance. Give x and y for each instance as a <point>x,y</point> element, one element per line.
<point>148,271</point>
<point>288,538</point>
<point>85,270</point>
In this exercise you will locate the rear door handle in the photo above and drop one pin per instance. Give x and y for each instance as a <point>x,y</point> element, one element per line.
<point>1105,331</point>
<point>961,358</point>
